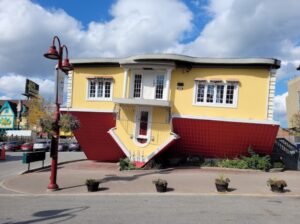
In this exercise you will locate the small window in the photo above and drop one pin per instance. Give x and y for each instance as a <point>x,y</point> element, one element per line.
<point>100,89</point>
<point>216,94</point>
<point>137,86</point>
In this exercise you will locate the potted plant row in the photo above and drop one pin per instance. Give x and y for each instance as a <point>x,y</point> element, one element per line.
<point>92,185</point>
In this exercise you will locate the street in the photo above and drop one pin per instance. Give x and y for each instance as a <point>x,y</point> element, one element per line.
<point>137,208</point>
<point>148,209</point>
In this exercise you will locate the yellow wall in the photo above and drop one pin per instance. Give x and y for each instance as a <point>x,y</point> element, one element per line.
<point>252,93</point>
<point>80,85</point>
<point>160,129</point>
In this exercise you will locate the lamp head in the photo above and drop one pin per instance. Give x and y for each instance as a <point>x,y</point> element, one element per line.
<point>52,53</point>
<point>66,65</point>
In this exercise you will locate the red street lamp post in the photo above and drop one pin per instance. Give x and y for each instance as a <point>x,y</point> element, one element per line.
<point>64,66</point>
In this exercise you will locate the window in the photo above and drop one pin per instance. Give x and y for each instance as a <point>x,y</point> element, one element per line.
<point>159,86</point>
<point>137,86</point>
<point>100,89</point>
<point>216,93</point>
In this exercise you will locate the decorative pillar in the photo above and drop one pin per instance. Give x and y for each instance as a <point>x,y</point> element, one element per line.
<point>125,82</point>
<point>168,81</point>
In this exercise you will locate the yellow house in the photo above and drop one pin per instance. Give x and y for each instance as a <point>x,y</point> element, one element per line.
<point>178,105</point>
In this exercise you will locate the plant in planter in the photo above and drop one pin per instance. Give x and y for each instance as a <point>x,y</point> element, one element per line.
<point>276,185</point>
<point>92,185</point>
<point>222,183</point>
<point>161,185</point>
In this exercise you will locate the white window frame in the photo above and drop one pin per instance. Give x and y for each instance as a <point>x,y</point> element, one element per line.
<point>154,74</point>
<point>163,89</point>
<point>136,129</point>
<point>214,103</point>
<point>96,98</point>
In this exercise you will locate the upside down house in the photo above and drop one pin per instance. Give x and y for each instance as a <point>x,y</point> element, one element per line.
<point>141,106</point>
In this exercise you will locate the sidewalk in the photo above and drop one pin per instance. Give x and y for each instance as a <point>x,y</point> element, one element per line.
<point>72,176</point>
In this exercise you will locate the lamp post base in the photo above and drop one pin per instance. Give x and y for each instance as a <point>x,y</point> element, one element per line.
<point>53,187</point>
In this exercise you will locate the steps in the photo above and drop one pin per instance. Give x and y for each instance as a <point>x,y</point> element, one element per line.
<point>287,152</point>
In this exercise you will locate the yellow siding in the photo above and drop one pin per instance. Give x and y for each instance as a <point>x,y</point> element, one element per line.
<point>160,130</point>
<point>80,85</point>
<point>252,93</point>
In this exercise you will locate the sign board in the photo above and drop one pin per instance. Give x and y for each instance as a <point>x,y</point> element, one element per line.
<point>6,121</point>
<point>31,88</point>
<point>59,86</point>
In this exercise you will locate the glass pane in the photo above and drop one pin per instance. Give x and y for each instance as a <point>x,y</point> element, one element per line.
<point>100,90</point>
<point>107,89</point>
<point>159,87</point>
<point>92,91</point>
<point>144,123</point>
<point>200,93</point>
<point>137,85</point>
<point>210,93</point>
<point>220,94</point>
<point>229,94</point>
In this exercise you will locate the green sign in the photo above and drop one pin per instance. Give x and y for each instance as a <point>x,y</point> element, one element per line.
<point>31,88</point>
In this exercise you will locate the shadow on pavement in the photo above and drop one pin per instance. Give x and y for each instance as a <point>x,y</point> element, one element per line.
<point>47,215</point>
<point>130,178</point>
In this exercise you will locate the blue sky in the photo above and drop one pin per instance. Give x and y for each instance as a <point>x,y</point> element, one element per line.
<point>119,28</point>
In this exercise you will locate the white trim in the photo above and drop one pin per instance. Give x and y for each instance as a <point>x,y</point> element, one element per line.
<point>136,128</point>
<point>87,110</point>
<point>222,105</point>
<point>163,145</point>
<point>88,98</point>
<point>168,81</point>
<point>226,119</point>
<point>119,142</point>
<point>69,88</point>
<point>271,94</point>
<point>145,102</point>
<point>125,82</point>
<point>134,60</point>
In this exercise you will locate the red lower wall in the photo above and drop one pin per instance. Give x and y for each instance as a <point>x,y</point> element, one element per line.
<point>221,139</point>
<point>197,137</point>
<point>93,137</point>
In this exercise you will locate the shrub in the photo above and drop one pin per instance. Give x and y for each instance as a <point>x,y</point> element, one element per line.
<point>233,163</point>
<point>222,179</point>
<point>160,182</point>
<point>91,181</point>
<point>126,164</point>
<point>278,183</point>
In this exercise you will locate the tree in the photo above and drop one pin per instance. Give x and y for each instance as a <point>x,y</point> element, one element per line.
<point>36,112</point>
<point>68,123</point>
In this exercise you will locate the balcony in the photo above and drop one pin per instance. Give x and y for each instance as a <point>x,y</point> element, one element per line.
<point>143,102</point>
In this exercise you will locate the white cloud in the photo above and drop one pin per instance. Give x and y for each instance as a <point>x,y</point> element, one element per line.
<point>280,109</point>
<point>26,32</point>
<point>138,26</point>
<point>13,85</point>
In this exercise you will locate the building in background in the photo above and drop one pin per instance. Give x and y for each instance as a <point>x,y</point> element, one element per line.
<point>293,99</point>
<point>139,107</point>
<point>13,115</point>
